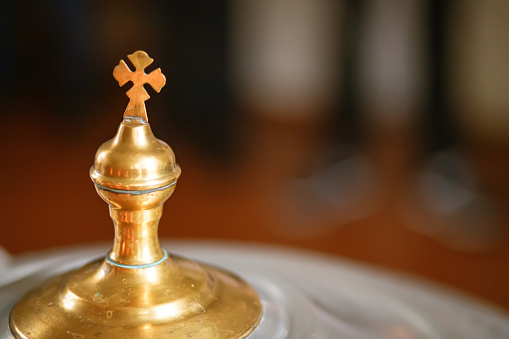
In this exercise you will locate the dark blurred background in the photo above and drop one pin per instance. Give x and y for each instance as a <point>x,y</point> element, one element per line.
<point>373,130</point>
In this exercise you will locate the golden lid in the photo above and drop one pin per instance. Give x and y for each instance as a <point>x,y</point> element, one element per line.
<point>135,160</point>
<point>138,290</point>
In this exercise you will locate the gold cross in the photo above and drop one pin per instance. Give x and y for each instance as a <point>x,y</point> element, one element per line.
<point>137,94</point>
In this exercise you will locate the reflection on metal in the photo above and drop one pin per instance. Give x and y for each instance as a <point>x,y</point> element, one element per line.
<point>155,263</point>
<point>138,291</point>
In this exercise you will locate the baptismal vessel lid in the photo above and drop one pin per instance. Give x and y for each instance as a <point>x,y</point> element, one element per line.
<point>138,290</point>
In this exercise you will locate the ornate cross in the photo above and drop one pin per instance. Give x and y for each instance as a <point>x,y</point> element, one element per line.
<point>137,94</point>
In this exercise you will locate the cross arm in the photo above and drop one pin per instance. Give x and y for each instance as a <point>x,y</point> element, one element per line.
<point>156,79</point>
<point>122,73</point>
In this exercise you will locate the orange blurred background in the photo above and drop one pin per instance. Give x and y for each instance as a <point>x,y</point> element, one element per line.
<point>376,131</point>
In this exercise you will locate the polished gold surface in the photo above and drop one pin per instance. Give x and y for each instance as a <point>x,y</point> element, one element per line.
<point>138,290</point>
<point>134,160</point>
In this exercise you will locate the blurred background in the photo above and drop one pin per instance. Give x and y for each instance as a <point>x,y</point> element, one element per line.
<point>373,130</point>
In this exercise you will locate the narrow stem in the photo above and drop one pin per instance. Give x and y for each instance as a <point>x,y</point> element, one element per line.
<point>136,109</point>
<point>136,238</point>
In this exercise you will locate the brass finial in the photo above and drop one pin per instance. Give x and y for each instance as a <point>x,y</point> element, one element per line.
<point>135,159</point>
<point>137,94</point>
<point>138,290</point>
